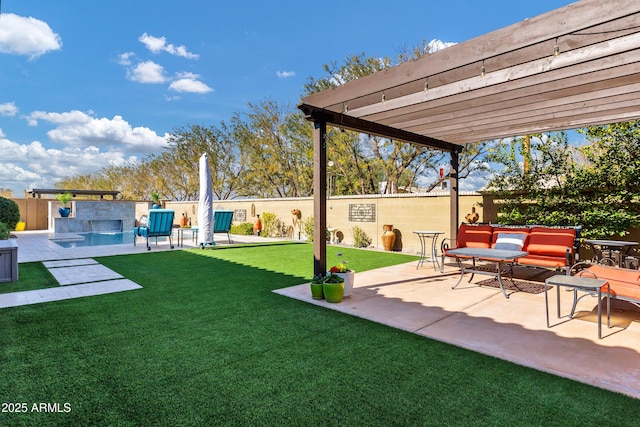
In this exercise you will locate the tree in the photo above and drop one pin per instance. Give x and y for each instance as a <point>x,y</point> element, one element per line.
<point>187,145</point>
<point>594,186</point>
<point>277,146</point>
<point>361,161</point>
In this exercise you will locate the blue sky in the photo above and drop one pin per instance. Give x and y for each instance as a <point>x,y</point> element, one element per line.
<point>85,84</point>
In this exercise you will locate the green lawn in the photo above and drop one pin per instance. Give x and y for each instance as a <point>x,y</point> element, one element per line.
<point>206,342</point>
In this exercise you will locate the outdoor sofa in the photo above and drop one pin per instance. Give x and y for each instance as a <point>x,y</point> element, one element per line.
<point>624,283</point>
<point>548,247</point>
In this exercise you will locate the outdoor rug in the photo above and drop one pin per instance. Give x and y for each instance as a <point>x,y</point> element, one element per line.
<point>525,286</point>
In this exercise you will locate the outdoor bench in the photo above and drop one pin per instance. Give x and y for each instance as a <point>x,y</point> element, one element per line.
<point>547,247</point>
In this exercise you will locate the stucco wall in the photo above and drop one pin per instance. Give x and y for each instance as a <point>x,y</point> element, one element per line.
<point>405,212</point>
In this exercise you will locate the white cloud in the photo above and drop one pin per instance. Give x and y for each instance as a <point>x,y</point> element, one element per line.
<point>188,82</point>
<point>27,36</point>
<point>436,45</point>
<point>8,109</point>
<point>79,129</point>
<point>26,166</point>
<point>86,144</point>
<point>158,44</point>
<point>125,58</point>
<point>285,74</point>
<point>147,72</point>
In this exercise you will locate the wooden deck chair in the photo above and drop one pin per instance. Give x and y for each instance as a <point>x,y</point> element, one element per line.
<point>159,224</point>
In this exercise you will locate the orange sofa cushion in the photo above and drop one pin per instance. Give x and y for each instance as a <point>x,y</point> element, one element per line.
<point>623,282</point>
<point>550,241</point>
<point>474,236</point>
<point>543,261</point>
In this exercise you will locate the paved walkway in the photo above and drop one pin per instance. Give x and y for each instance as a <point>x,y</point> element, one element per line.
<point>78,274</point>
<point>39,246</point>
<point>78,278</point>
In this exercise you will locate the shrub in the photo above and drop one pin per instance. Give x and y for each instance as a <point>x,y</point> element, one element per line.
<point>360,238</point>
<point>64,198</point>
<point>307,228</point>
<point>243,229</point>
<point>5,232</point>
<point>269,224</point>
<point>333,278</point>
<point>9,212</point>
<point>317,279</point>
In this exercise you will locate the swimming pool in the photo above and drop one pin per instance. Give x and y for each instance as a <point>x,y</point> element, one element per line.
<point>95,239</point>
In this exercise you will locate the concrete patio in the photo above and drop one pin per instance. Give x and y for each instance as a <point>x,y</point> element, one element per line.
<point>481,319</point>
<point>477,318</point>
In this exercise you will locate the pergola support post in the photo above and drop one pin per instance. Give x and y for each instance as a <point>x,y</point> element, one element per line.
<point>319,197</point>
<point>453,194</point>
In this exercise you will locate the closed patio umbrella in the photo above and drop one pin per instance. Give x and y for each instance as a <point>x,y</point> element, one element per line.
<point>205,203</point>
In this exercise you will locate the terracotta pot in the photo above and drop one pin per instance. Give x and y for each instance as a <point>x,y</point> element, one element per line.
<point>388,237</point>
<point>257,227</point>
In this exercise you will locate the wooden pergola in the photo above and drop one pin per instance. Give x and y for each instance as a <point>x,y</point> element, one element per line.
<point>572,67</point>
<point>55,191</point>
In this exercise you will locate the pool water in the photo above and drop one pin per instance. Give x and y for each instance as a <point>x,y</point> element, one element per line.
<point>96,239</point>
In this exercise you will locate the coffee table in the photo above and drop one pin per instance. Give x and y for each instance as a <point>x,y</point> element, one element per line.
<point>497,256</point>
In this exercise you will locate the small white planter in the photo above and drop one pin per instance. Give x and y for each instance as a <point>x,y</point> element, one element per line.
<point>348,277</point>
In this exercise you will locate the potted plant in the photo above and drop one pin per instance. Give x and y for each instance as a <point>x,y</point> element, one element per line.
<point>156,201</point>
<point>64,199</point>
<point>316,287</point>
<point>348,275</point>
<point>333,288</point>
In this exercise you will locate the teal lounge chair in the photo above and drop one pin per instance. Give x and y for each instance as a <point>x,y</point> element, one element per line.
<point>221,224</point>
<point>159,224</point>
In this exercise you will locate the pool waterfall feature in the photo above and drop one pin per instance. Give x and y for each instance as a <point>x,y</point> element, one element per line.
<point>93,216</point>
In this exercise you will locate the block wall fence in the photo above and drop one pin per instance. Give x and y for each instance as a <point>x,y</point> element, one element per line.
<point>405,212</point>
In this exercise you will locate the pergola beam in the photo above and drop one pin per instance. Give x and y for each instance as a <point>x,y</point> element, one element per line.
<point>345,121</point>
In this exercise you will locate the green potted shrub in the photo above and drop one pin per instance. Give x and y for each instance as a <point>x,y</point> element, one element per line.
<point>316,287</point>
<point>156,201</point>
<point>64,199</point>
<point>333,288</point>
<point>9,212</point>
